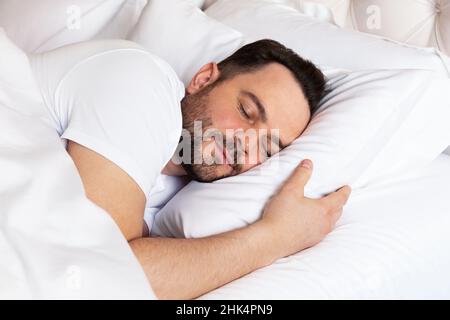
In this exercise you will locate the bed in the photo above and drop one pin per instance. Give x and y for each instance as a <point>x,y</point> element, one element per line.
<point>391,243</point>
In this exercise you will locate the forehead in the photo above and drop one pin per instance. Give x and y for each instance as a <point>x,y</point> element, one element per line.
<point>286,106</point>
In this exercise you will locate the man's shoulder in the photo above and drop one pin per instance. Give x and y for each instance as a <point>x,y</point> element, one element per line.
<point>118,59</point>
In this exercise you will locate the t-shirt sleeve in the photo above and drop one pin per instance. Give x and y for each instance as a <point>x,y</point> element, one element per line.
<point>124,105</point>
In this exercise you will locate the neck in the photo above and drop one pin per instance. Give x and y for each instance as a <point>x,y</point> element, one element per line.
<point>172,169</point>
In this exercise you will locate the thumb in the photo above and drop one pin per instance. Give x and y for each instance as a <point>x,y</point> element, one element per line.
<point>300,176</point>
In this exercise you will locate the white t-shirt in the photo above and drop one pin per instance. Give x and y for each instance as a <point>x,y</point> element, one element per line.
<point>118,100</point>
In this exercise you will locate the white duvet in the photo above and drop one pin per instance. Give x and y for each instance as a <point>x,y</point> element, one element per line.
<point>54,243</point>
<point>393,242</point>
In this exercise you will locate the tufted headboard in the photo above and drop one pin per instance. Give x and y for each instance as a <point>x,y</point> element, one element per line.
<point>417,22</point>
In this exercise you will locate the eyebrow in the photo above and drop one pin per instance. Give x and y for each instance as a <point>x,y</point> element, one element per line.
<point>258,103</point>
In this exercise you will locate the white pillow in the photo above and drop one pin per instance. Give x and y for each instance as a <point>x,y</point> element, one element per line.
<point>186,38</point>
<point>38,26</point>
<point>373,126</point>
<point>323,43</point>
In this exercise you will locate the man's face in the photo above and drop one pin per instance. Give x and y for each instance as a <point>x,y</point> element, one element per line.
<point>241,121</point>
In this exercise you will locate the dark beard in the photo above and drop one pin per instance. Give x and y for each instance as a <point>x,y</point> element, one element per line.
<point>208,172</point>
<point>195,108</point>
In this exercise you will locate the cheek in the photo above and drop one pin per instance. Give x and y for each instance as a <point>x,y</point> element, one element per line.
<point>226,119</point>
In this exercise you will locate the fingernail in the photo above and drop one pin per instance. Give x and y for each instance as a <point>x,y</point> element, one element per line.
<point>307,164</point>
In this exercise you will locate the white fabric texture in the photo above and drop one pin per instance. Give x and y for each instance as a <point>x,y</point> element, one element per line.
<point>416,22</point>
<point>117,99</point>
<point>422,23</point>
<point>323,43</point>
<point>186,38</point>
<point>39,26</point>
<point>372,127</point>
<point>54,243</point>
<point>391,243</point>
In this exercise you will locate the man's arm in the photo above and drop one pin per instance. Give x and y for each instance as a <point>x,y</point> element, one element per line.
<point>110,188</point>
<point>188,268</point>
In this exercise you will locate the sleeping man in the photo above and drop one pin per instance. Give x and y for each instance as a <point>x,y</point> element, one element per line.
<point>123,115</point>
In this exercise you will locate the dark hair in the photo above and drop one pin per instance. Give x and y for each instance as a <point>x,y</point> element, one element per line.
<point>258,54</point>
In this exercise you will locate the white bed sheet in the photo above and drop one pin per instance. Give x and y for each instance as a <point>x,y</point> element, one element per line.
<point>393,242</point>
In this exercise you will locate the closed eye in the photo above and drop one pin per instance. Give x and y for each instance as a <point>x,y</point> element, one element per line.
<point>243,112</point>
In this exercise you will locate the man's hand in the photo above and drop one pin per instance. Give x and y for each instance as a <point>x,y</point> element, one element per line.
<point>298,222</point>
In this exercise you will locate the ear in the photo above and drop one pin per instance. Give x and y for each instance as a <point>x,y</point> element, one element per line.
<point>207,75</point>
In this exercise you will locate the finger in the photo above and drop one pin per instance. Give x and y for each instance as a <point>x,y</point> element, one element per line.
<point>300,176</point>
<point>336,200</point>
